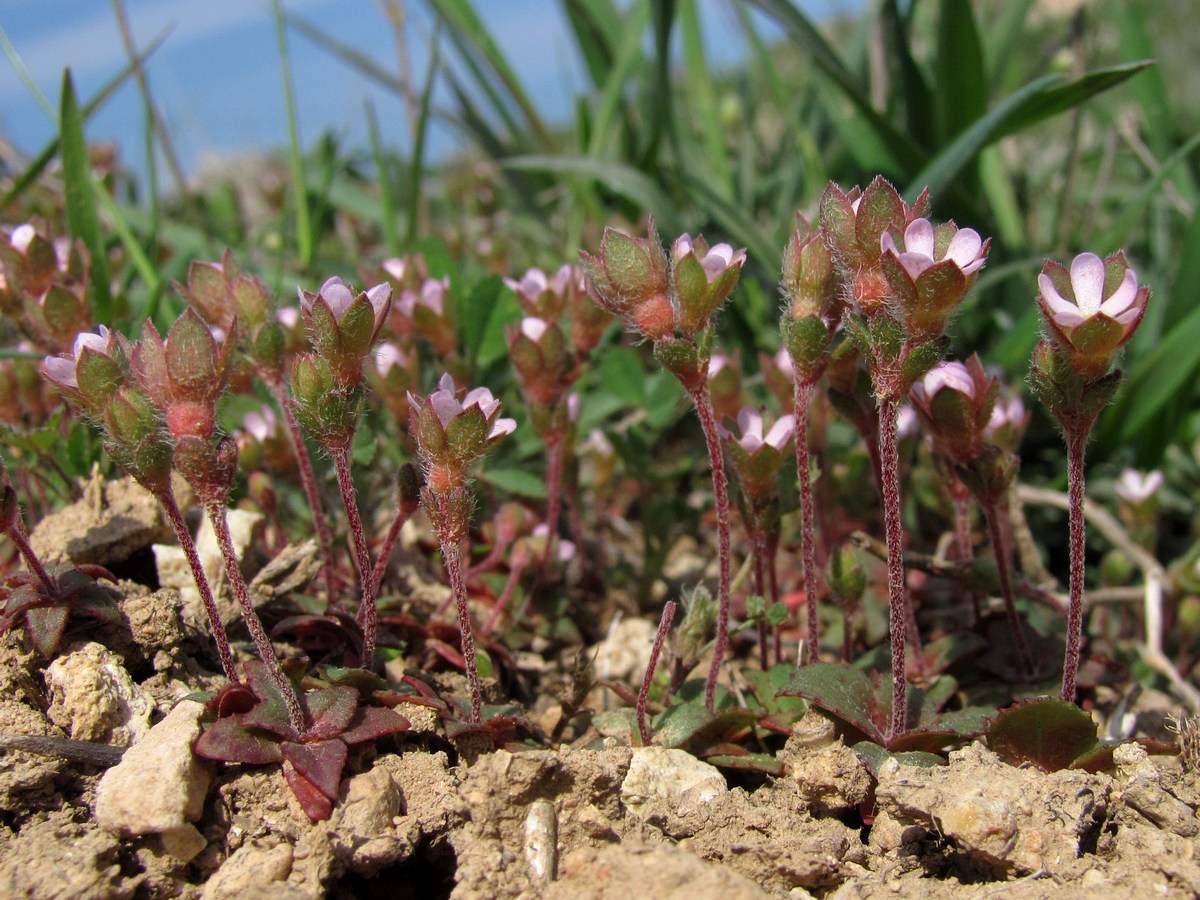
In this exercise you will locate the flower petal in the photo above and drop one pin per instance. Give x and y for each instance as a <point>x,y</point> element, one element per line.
<point>1087,281</point>
<point>1064,313</point>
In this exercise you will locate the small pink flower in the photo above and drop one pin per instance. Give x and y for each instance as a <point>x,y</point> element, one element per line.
<point>1087,294</point>
<point>952,374</point>
<point>388,357</point>
<point>260,424</point>
<point>714,260</point>
<point>60,370</point>
<point>1135,487</point>
<point>921,241</point>
<point>1092,309</point>
<point>750,424</point>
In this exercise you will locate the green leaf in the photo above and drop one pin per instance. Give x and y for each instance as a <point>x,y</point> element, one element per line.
<point>1047,733</point>
<point>874,756</point>
<point>962,83</point>
<point>839,689</point>
<point>621,179</point>
<point>82,221</point>
<point>482,315</point>
<point>520,482</point>
<point>1040,99</point>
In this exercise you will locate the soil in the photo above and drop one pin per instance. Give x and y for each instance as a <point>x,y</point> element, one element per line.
<point>422,816</point>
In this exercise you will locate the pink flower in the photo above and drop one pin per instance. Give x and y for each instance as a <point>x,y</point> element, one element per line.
<point>1087,294</point>
<point>61,370</point>
<point>924,247</point>
<point>952,374</point>
<point>1091,310</point>
<point>750,424</point>
<point>714,260</point>
<point>1135,487</point>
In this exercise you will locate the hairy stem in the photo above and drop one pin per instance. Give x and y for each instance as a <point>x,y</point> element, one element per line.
<point>668,614</point>
<point>555,448</point>
<point>308,481</point>
<point>1001,552</point>
<point>759,548</point>
<point>367,616</point>
<point>894,533</point>
<point>803,401</point>
<point>961,498</point>
<point>1075,451</point>
<point>385,551</point>
<point>166,498</point>
<point>21,541</point>
<point>704,409</point>
<point>258,634</point>
<point>448,508</point>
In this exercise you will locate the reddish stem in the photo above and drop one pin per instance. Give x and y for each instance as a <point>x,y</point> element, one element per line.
<point>664,624</point>
<point>894,532</point>
<point>704,409</point>
<point>258,634</point>
<point>367,617</point>
<point>961,498</point>
<point>167,498</point>
<point>450,535</point>
<point>759,547</point>
<point>385,551</point>
<point>555,448</point>
<point>1077,540</point>
<point>803,401</point>
<point>510,587</point>
<point>308,481</point>
<point>1000,552</point>
<point>17,535</point>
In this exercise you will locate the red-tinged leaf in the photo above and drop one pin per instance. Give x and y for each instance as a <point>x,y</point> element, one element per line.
<point>330,711</point>
<point>98,604</point>
<point>45,626</point>
<point>229,740</point>
<point>231,700</point>
<point>1047,733</point>
<point>372,722</point>
<point>446,652</point>
<point>839,689</point>
<point>321,763</point>
<point>316,805</point>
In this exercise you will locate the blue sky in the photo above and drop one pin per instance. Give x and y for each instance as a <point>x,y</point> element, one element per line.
<point>216,79</point>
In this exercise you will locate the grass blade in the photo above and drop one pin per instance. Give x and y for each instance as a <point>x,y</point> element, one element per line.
<point>470,33</point>
<point>622,180</point>
<point>703,101</point>
<point>350,55</point>
<point>304,233</point>
<point>593,24</point>
<point>383,175</point>
<point>962,83</point>
<point>417,166</point>
<point>38,164</point>
<point>1038,100</point>
<point>80,198</point>
<point>809,39</point>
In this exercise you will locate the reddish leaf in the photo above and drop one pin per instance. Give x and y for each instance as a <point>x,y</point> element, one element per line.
<point>45,626</point>
<point>315,804</point>
<point>372,722</point>
<point>330,711</point>
<point>321,763</point>
<point>229,740</point>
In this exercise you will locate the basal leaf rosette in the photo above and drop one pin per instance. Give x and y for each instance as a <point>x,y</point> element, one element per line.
<point>343,325</point>
<point>252,728</point>
<point>1092,309</point>
<point>930,269</point>
<point>452,434</point>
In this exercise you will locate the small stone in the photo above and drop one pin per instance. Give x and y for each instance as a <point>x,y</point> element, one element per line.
<point>672,776</point>
<point>174,571</point>
<point>252,866</point>
<point>93,698</point>
<point>159,786</point>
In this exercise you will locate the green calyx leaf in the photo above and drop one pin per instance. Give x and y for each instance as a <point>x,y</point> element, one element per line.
<point>191,358</point>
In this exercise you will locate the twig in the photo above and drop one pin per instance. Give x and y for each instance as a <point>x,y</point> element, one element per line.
<point>86,752</point>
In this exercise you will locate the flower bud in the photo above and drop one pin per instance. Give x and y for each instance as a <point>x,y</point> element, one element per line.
<point>702,279</point>
<point>343,325</point>
<point>758,458</point>
<point>629,278</point>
